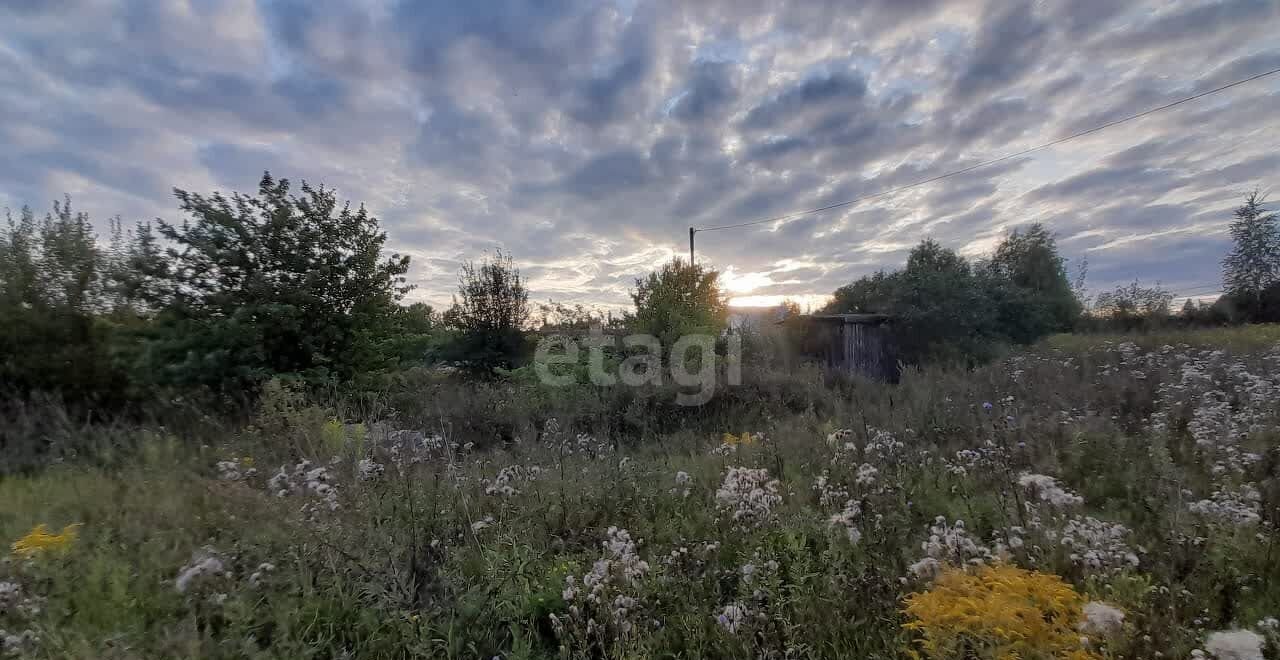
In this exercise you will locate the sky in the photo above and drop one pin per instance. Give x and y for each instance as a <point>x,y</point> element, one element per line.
<point>584,138</point>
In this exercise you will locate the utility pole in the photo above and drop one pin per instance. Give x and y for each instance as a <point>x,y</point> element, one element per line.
<point>692,231</point>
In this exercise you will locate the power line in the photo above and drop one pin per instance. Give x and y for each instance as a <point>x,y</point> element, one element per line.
<point>993,161</point>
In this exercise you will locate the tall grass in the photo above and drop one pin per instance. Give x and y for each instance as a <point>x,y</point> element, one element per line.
<point>507,521</point>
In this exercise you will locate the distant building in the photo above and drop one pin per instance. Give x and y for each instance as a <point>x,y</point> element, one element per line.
<point>859,344</point>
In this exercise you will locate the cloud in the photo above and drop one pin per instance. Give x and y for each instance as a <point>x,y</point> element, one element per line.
<point>586,138</point>
<point>710,90</point>
<point>841,87</point>
<point>1007,46</point>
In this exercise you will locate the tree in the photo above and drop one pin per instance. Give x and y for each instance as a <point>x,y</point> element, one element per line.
<point>54,284</point>
<point>945,308</point>
<point>490,314</point>
<point>1253,265</point>
<point>1134,306</point>
<point>941,308</point>
<point>874,294</point>
<point>679,299</point>
<point>254,287</point>
<point>1030,278</point>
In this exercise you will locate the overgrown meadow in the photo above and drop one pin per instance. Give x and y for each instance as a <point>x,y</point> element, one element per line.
<point>1086,498</point>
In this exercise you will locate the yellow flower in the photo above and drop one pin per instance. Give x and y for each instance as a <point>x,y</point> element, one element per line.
<point>730,439</point>
<point>998,612</point>
<point>39,541</point>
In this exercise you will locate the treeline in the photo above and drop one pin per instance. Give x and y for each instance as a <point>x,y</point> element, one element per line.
<point>286,285</point>
<point>948,308</point>
<point>295,286</point>
<point>282,284</point>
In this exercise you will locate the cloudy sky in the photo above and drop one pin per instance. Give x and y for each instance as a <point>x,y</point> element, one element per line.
<point>586,137</point>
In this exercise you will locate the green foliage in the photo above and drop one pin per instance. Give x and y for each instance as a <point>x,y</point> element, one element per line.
<point>1133,307</point>
<point>1253,265</point>
<point>253,287</point>
<point>490,316</point>
<point>677,300</point>
<point>428,559</point>
<point>59,308</point>
<point>1029,282</point>
<point>945,308</point>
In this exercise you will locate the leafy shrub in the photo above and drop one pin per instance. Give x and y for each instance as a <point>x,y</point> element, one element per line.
<point>947,309</point>
<point>489,315</point>
<point>272,285</point>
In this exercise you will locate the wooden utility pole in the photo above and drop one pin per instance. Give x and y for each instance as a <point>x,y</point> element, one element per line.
<point>692,231</point>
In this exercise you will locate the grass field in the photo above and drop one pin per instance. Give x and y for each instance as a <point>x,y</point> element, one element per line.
<point>1093,497</point>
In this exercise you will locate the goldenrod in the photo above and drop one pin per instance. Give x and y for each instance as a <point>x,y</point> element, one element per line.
<point>998,612</point>
<point>730,439</point>
<point>39,541</point>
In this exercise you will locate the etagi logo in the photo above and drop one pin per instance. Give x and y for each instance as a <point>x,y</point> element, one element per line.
<point>692,362</point>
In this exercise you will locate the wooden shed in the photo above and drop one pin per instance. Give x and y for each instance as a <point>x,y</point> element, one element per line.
<point>861,344</point>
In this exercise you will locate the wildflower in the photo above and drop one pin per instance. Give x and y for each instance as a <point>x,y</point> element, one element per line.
<point>682,483</point>
<point>733,440</point>
<point>732,617</point>
<point>1097,545</point>
<point>305,479</point>
<point>1049,491</point>
<point>608,588</point>
<point>1235,645</point>
<point>14,644</point>
<point>883,446</point>
<point>235,470</point>
<point>10,593</point>
<point>953,544</point>
<point>203,563</point>
<point>1010,612</point>
<point>1101,619</point>
<point>1237,508</point>
<point>479,525</point>
<point>369,469</point>
<point>508,478</point>
<point>838,438</point>
<point>926,568</point>
<point>39,541</point>
<point>749,494</point>
<point>849,520</point>
<point>256,578</point>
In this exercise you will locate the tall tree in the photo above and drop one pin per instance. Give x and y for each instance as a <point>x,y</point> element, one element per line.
<point>276,284</point>
<point>54,281</point>
<point>677,300</point>
<point>490,314</point>
<point>942,308</point>
<point>1253,264</point>
<point>1028,279</point>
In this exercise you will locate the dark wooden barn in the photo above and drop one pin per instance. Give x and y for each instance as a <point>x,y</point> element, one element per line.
<point>860,344</point>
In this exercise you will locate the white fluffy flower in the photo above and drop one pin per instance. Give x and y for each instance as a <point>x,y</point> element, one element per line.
<point>1101,619</point>
<point>748,494</point>
<point>732,617</point>
<point>1049,491</point>
<point>479,525</point>
<point>1235,645</point>
<point>205,563</point>
<point>370,469</point>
